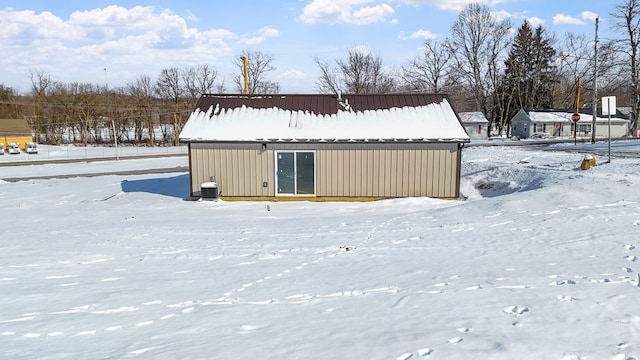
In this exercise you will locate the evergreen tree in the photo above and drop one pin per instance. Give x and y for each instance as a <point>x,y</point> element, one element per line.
<point>528,78</point>
<point>528,69</point>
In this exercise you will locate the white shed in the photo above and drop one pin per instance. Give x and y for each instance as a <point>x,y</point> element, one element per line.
<point>476,124</point>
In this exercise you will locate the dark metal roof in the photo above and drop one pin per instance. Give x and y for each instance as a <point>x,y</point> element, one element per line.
<point>14,127</point>
<point>317,103</point>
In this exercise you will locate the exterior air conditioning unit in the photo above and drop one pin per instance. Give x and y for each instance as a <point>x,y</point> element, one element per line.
<point>209,191</point>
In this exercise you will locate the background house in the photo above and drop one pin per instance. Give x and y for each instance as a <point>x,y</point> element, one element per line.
<point>15,130</point>
<point>476,124</point>
<point>325,147</point>
<point>526,124</point>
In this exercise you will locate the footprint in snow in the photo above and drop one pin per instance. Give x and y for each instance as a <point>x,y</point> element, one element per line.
<point>455,340</point>
<point>631,258</point>
<point>623,345</point>
<point>562,282</point>
<point>424,352</point>
<point>516,310</point>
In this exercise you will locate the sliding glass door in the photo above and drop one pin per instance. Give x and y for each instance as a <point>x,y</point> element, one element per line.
<point>295,173</point>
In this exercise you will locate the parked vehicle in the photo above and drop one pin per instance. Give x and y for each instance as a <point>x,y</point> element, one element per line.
<point>1,149</point>
<point>13,148</point>
<point>31,148</point>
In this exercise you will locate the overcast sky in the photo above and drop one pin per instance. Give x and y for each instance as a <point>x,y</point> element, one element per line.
<point>115,41</point>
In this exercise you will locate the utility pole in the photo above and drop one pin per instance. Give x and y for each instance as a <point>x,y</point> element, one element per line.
<point>245,74</point>
<point>595,85</point>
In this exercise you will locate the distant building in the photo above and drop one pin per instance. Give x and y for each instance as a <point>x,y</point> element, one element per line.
<point>325,147</point>
<point>476,124</point>
<point>15,131</point>
<point>545,124</point>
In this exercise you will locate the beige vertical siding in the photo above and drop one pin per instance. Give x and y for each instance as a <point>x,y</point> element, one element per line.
<point>387,173</point>
<point>342,170</point>
<point>238,172</point>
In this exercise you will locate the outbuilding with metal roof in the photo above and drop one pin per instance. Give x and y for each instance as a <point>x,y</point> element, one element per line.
<point>325,147</point>
<point>15,131</point>
<point>476,124</point>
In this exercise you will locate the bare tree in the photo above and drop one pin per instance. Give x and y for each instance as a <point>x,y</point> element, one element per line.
<point>141,92</point>
<point>429,70</point>
<point>8,105</point>
<point>169,85</point>
<point>328,82</point>
<point>141,87</point>
<point>40,83</point>
<point>575,62</point>
<point>627,20</point>
<point>198,80</point>
<point>478,41</point>
<point>169,88</point>
<point>258,65</point>
<point>360,73</point>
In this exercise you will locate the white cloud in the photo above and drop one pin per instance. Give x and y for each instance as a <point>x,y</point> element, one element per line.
<point>589,16</point>
<point>456,5</point>
<point>191,16</point>
<point>129,42</point>
<point>293,75</point>
<point>372,14</point>
<point>502,15</point>
<point>269,31</point>
<point>535,21</point>
<point>345,11</point>
<point>27,25</point>
<point>420,34</point>
<point>361,49</point>
<point>260,36</point>
<point>562,19</point>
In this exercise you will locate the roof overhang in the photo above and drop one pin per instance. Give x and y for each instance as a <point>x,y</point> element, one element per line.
<point>326,141</point>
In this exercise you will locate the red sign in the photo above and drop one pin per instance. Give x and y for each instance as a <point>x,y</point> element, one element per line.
<point>575,117</point>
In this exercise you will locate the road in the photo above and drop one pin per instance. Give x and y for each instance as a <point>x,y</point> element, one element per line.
<point>92,174</point>
<point>581,147</point>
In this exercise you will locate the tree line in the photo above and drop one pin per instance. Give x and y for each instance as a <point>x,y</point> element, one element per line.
<point>482,64</point>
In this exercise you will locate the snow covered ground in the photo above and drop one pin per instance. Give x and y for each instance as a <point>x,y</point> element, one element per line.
<point>540,262</point>
<point>49,152</point>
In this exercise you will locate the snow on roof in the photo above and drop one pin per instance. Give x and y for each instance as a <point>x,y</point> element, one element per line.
<point>473,117</point>
<point>432,122</point>
<point>558,116</point>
